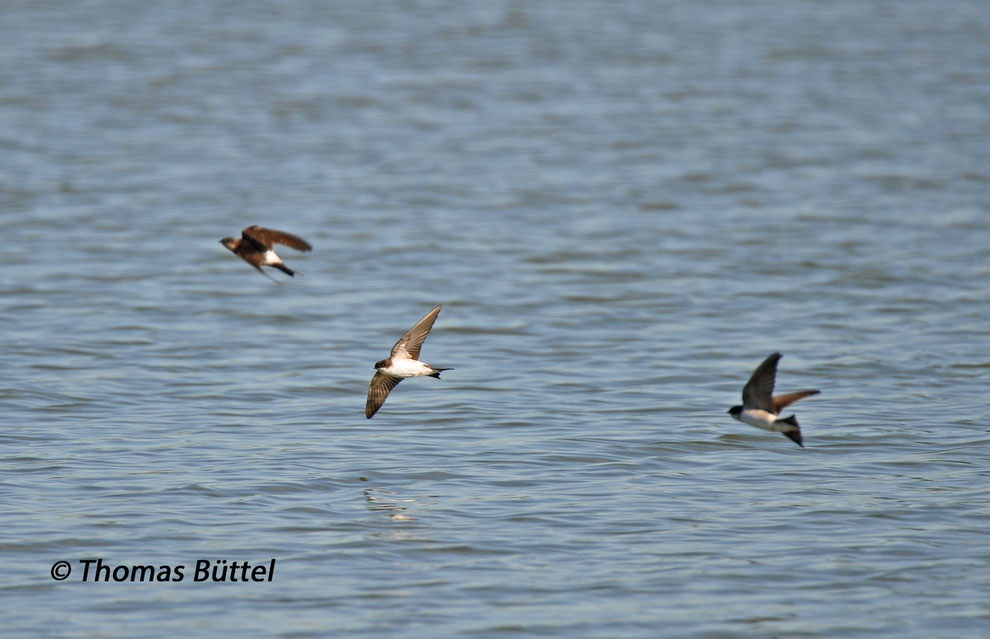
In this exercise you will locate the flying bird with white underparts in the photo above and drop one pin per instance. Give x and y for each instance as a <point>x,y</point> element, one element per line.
<point>403,362</point>
<point>761,409</point>
<point>256,247</point>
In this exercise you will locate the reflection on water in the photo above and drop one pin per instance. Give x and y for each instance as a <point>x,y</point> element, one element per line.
<point>379,500</point>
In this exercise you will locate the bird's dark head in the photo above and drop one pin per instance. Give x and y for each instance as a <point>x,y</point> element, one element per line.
<point>385,363</point>
<point>736,411</point>
<point>229,242</point>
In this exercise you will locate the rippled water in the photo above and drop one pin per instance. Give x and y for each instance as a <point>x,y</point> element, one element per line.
<point>623,208</point>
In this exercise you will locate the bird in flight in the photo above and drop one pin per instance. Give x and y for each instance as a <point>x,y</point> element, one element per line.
<point>256,247</point>
<point>761,409</point>
<point>403,362</point>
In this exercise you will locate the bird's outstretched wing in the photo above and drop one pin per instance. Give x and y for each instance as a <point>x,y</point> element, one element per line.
<point>269,237</point>
<point>781,401</point>
<point>758,392</point>
<point>381,386</point>
<point>409,344</point>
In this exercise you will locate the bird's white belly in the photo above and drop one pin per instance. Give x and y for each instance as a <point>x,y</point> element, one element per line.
<point>407,368</point>
<point>759,418</point>
<point>271,258</point>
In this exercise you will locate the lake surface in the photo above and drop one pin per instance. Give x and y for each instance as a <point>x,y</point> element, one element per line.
<point>623,207</point>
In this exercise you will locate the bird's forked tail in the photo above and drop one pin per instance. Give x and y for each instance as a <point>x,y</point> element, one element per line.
<point>788,426</point>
